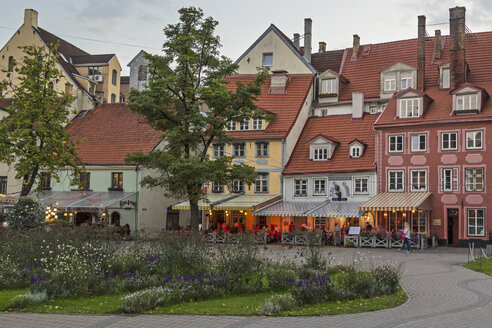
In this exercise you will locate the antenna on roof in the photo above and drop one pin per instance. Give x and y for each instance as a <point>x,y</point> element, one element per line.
<point>468,33</point>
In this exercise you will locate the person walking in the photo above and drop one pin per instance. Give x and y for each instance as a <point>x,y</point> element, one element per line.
<point>406,240</point>
<point>336,239</point>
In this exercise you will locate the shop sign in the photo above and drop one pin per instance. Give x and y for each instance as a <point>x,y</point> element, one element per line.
<point>436,222</point>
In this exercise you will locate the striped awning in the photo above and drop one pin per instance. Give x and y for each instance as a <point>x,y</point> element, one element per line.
<point>336,209</point>
<point>287,209</point>
<point>398,201</point>
<point>203,205</point>
<point>243,202</point>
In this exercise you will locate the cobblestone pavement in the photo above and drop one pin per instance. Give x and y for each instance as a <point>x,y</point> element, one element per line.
<point>441,294</point>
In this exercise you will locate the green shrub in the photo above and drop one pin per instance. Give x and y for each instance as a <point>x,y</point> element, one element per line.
<point>144,299</point>
<point>27,213</point>
<point>24,300</point>
<point>387,277</point>
<point>276,304</point>
<point>280,276</point>
<point>316,290</point>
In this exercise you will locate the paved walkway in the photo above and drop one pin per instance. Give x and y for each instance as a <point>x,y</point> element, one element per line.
<point>441,294</point>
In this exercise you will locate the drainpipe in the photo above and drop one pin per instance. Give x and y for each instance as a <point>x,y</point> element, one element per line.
<point>137,198</point>
<point>282,170</point>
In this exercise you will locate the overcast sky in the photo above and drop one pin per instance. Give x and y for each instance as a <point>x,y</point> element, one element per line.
<point>140,22</point>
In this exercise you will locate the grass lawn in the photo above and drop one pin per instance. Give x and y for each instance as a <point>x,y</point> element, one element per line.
<point>246,305</point>
<point>481,265</point>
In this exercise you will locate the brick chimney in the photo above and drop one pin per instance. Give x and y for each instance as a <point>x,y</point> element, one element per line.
<point>308,27</point>
<point>297,37</point>
<point>421,54</point>
<point>457,46</point>
<point>322,47</point>
<point>30,17</point>
<point>437,45</point>
<point>355,46</point>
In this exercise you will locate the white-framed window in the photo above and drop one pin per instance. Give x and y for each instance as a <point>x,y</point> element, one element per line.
<point>218,150</point>
<point>243,126</point>
<point>320,153</point>
<point>231,126</point>
<point>328,86</point>
<point>474,139</point>
<point>396,180</point>
<point>324,112</point>
<point>449,141</point>
<point>389,82</point>
<point>467,102</point>
<point>419,142</point>
<point>267,60</point>
<point>450,179</point>
<point>261,184</point>
<point>409,107</point>
<point>418,180</point>
<point>262,149</point>
<point>355,151</point>
<point>239,150</point>
<point>361,185</point>
<point>445,78</point>
<point>237,186</point>
<point>395,143</point>
<point>406,80</point>
<point>257,124</point>
<point>216,187</point>
<point>419,222</point>
<point>319,187</point>
<point>476,222</point>
<point>373,110</point>
<point>300,187</point>
<point>474,179</point>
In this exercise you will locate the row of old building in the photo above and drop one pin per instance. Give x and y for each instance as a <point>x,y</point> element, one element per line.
<point>376,133</point>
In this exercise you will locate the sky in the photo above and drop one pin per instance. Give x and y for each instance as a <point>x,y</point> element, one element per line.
<point>139,23</point>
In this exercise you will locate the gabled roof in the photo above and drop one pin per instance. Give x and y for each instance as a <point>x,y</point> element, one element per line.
<point>342,128</point>
<point>285,107</point>
<point>322,136</point>
<point>141,53</point>
<point>466,85</point>
<point>287,42</point>
<point>364,73</point>
<point>91,59</point>
<point>328,60</point>
<point>109,132</point>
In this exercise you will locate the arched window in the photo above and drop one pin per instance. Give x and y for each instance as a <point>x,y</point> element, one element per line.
<point>11,64</point>
<point>113,98</point>
<point>115,77</point>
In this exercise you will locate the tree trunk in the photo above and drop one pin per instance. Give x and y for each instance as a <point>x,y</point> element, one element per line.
<point>26,187</point>
<point>196,217</point>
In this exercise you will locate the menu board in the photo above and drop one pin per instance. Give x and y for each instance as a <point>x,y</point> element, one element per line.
<point>354,231</point>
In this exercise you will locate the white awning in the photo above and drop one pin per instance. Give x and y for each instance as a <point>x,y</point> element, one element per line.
<point>337,209</point>
<point>287,209</point>
<point>83,199</point>
<point>398,201</point>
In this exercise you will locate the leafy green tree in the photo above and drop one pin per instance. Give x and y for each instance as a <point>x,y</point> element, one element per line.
<point>191,105</point>
<point>32,136</point>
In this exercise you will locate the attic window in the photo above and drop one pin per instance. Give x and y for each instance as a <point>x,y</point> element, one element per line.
<point>267,60</point>
<point>81,114</point>
<point>409,107</point>
<point>328,87</point>
<point>467,102</point>
<point>445,78</point>
<point>406,80</point>
<point>356,150</point>
<point>390,82</point>
<point>320,153</point>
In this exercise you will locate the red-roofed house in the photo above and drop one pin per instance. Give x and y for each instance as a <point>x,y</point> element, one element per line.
<point>432,140</point>
<point>110,188</point>
<point>287,94</point>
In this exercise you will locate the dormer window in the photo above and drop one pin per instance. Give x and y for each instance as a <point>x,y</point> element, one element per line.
<point>231,126</point>
<point>321,148</point>
<point>320,153</point>
<point>445,81</point>
<point>390,82</point>
<point>257,124</point>
<point>409,107</point>
<point>356,149</point>
<point>328,87</point>
<point>406,80</point>
<point>243,126</point>
<point>467,102</point>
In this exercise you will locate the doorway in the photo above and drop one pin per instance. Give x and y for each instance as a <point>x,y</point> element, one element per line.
<point>453,225</point>
<point>172,219</point>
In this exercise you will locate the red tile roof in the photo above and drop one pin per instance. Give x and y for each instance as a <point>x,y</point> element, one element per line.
<point>323,61</point>
<point>109,132</point>
<point>286,107</point>
<point>438,110</point>
<point>342,128</point>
